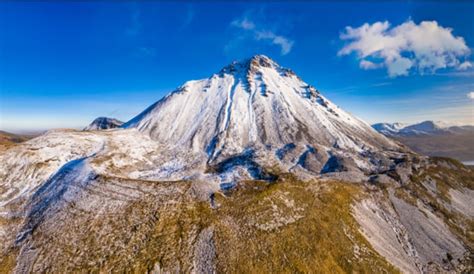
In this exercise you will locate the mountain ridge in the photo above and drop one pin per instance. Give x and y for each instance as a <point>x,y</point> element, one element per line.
<point>422,128</point>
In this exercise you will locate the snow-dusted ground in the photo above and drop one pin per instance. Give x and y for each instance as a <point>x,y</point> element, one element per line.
<point>253,120</point>
<point>250,120</point>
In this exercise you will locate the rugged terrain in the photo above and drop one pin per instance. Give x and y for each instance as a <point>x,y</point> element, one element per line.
<point>250,170</point>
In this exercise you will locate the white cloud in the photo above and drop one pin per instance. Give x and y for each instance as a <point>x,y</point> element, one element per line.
<point>188,19</point>
<point>470,95</point>
<point>284,43</point>
<point>135,24</point>
<point>425,47</point>
<point>364,64</point>
<point>465,65</point>
<point>279,40</point>
<point>243,24</point>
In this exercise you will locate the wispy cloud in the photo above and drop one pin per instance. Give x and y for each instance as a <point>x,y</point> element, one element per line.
<point>465,65</point>
<point>135,25</point>
<point>364,64</point>
<point>470,95</point>
<point>146,52</point>
<point>190,13</point>
<point>350,89</point>
<point>261,34</point>
<point>424,47</point>
<point>455,115</point>
<point>243,24</point>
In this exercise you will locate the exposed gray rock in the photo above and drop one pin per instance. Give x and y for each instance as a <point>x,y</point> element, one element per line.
<point>463,201</point>
<point>433,240</point>
<point>382,179</point>
<point>205,252</point>
<point>385,233</point>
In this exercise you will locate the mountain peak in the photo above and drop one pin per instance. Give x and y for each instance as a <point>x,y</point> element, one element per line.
<point>262,61</point>
<point>426,126</point>
<point>103,123</point>
<point>254,65</point>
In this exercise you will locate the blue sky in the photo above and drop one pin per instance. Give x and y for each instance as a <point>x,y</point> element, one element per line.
<point>63,64</point>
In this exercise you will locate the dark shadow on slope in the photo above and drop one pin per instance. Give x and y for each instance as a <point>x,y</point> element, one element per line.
<point>281,152</point>
<point>337,163</point>
<point>246,160</point>
<point>51,193</point>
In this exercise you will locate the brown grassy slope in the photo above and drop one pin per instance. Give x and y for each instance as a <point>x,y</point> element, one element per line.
<point>8,139</point>
<point>293,227</point>
<point>288,226</point>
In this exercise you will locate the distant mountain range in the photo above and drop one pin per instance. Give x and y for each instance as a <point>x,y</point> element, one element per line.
<point>433,138</point>
<point>423,128</point>
<point>7,139</point>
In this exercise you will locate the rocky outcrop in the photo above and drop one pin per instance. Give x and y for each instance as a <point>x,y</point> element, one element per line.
<point>102,123</point>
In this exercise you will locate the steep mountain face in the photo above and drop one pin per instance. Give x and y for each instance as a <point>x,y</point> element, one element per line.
<point>249,170</point>
<point>253,103</point>
<point>103,123</point>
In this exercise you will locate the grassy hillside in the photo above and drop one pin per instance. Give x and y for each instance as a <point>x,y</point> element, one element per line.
<point>287,226</point>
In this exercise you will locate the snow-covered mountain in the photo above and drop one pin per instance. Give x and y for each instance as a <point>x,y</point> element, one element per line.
<point>252,103</point>
<point>103,123</point>
<point>251,157</point>
<point>257,109</point>
<point>388,128</point>
<point>426,127</point>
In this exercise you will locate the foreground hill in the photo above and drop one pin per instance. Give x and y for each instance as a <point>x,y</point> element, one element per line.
<point>249,170</point>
